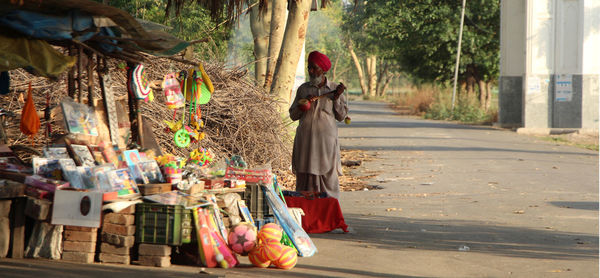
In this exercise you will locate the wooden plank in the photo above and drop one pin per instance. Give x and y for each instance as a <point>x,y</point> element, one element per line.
<point>109,103</point>
<point>18,228</point>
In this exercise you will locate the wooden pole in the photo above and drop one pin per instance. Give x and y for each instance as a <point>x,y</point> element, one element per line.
<point>131,102</point>
<point>79,73</point>
<point>71,76</point>
<point>140,126</point>
<point>90,75</point>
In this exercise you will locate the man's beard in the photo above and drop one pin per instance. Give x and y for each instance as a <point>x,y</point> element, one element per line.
<point>317,80</point>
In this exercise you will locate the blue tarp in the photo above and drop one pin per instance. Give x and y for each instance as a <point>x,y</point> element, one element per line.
<point>76,26</point>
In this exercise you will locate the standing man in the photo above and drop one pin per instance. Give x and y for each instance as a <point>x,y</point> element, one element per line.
<point>316,154</point>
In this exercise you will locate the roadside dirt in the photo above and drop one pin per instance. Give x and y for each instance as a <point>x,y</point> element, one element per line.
<point>350,181</point>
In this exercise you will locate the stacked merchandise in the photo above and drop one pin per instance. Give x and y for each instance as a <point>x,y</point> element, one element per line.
<point>79,244</point>
<point>118,232</point>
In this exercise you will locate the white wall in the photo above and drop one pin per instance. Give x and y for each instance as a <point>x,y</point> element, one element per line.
<point>512,38</point>
<point>569,34</point>
<point>540,37</point>
<point>591,37</point>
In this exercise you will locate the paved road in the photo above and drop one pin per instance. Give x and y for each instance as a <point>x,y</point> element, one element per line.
<point>523,207</point>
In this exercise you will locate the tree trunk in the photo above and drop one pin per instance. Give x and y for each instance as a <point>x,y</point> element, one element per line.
<point>334,69</point>
<point>388,78</point>
<point>470,87</point>
<point>483,92</point>
<point>383,79</point>
<point>488,99</point>
<point>361,77</point>
<point>278,18</point>
<point>372,73</point>
<point>287,62</point>
<point>260,22</point>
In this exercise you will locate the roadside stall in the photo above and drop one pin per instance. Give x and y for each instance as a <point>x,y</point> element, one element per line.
<point>103,189</point>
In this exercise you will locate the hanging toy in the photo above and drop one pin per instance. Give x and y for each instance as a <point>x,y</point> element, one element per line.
<point>182,137</point>
<point>172,91</point>
<point>206,79</point>
<point>140,84</point>
<point>347,119</point>
<point>199,86</point>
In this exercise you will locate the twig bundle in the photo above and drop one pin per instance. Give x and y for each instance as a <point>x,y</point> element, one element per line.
<point>239,119</point>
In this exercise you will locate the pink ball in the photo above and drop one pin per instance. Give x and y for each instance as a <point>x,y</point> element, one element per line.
<point>242,238</point>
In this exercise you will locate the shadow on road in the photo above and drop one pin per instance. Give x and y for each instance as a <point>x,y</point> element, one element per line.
<point>458,149</point>
<point>576,205</point>
<point>350,271</point>
<point>395,233</point>
<point>58,268</point>
<point>410,124</point>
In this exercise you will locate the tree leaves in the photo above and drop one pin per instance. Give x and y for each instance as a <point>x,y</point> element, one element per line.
<point>422,35</point>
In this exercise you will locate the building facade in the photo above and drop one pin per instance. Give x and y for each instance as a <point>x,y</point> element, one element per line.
<point>549,63</point>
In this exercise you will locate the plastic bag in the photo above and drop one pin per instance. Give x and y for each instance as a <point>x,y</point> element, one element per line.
<point>30,122</point>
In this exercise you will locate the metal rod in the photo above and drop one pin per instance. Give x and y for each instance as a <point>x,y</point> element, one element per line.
<point>462,20</point>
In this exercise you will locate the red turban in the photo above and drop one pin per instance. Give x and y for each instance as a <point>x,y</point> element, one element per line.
<point>320,60</point>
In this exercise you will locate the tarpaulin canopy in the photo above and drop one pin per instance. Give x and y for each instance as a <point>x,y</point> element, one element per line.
<point>34,55</point>
<point>79,20</point>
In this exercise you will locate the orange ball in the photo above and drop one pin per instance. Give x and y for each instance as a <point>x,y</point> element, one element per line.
<point>270,231</point>
<point>288,258</point>
<point>257,259</point>
<point>271,249</point>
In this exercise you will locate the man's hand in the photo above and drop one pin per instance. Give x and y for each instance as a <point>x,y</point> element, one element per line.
<point>339,90</point>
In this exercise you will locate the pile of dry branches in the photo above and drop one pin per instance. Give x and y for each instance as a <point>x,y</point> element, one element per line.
<point>239,119</point>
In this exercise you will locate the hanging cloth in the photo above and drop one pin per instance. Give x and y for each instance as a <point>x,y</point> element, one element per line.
<point>30,122</point>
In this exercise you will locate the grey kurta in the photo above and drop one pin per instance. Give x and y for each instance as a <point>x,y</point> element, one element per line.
<point>316,150</point>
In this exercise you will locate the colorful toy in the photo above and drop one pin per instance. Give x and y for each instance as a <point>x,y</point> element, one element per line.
<point>242,238</point>
<point>288,258</point>
<point>140,83</point>
<point>257,259</point>
<point>270,231</point>
<point>174,98</point>
<point>271,249</point>
<point>201,157</point>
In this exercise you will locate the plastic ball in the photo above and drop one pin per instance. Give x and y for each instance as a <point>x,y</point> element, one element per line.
<point>257,259</point>
<point>242,238</point>
<point>288,258</point>
<point>271,249</point>
<point>270,231</point>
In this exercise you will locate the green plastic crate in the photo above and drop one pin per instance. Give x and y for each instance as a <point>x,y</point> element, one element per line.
<point>256,200</point>
<point>162,224</point>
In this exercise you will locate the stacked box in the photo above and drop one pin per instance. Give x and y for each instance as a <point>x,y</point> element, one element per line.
<point>79,244</point>
<point>163,224</point>
<point>256,200</point>
<point>154,255</point>
<point>117,236</point>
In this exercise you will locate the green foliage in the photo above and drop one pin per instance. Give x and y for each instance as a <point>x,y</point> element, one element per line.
<point>193,23</point>
<point>422,35</point>
<point>465,110</point>
<point>325,35</point>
